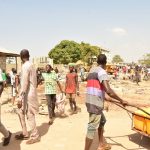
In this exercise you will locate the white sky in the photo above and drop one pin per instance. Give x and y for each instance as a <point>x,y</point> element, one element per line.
<point>122,26</point>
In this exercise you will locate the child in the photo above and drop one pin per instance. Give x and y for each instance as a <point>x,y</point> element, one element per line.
<point>16,82</point>
<point>71,88</point>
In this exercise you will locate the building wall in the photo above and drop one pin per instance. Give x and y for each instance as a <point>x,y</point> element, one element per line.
<point>9,66</point>
<point>108,55</point>
<point>3,63</point>
<point>42,62</point>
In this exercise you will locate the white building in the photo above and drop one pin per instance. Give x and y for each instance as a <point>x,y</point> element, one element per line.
<point>42,61</point>
<point>107,53</point>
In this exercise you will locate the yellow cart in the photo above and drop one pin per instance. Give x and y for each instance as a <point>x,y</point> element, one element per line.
<point>141,121</point>
<point>140,118</point>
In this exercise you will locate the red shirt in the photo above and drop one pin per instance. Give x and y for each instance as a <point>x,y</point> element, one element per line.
<point>71,83</point>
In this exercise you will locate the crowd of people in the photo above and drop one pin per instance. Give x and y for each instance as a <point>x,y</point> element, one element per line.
<point>25,85</point>
<point>134,73</point>
<point>24,92</point>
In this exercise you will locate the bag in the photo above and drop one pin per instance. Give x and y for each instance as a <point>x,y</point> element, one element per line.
<point>60,103</point>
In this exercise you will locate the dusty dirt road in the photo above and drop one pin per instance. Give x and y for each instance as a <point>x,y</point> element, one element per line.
<point>69,133</point>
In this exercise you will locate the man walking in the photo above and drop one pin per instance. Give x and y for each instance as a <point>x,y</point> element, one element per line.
<point>97,85</point>
<point>137,74</point>
<point>51,80</point>
<point>7,134</point>
<point>28,103</point>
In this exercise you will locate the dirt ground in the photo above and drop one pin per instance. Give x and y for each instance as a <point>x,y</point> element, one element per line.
<point>69,133</point>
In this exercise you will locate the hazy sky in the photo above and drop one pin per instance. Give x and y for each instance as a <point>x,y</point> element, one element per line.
<point>121,26</point>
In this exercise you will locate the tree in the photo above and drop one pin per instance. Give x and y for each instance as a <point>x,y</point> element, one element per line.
<point>65,52</point>
<point>87,51</point>
<point>70,52</point>
<point>117,59</point>
<point>146,60</point>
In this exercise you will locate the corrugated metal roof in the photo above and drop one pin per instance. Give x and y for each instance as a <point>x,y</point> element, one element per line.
<point>8,53</point>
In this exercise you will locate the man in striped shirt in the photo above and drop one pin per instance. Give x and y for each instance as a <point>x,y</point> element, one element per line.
<point>97,85</point>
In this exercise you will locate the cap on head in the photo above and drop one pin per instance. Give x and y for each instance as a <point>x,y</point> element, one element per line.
<point>24,54</point>
<point>101,59</point>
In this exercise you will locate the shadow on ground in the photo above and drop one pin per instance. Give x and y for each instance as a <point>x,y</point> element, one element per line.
<point>143,142</point>
<point>140,140</point>
<point>16,144</point>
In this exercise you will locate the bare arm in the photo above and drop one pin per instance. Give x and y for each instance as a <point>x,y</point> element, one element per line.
<point>110,92</point>
<point>40,80</point>
<point>25,80</point>
<point>65,84</point>
<point>77,83</point>
<point>60,86</point>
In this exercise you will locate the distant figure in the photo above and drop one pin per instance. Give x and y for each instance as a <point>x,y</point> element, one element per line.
<point>71,88</point>
<point>132,74</point>
<point>75,70</point>
<point>137,75</point>
<point>4,77</point>
<point>12,79</point>
<point>57,73</point>
<point>14,92</point>
<point>7,134</point>
<point>124,69</point>
<point>56,70</point>
<point>115,73</point>
<point>82,73</point>
<point>28,103</point>
<point>146,75</point>
<point>39,75</point>
<point>17,84</point>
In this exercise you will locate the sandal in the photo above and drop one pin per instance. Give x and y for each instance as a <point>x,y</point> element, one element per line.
<point>21,137</point>
<point>31,141</point>
<point>105,147</point>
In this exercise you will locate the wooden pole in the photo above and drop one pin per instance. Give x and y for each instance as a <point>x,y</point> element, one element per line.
<point>16,64</point>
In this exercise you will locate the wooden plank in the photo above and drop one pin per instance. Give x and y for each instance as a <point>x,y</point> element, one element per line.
<point>143,133</point>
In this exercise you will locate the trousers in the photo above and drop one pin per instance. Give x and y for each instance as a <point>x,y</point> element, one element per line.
<point>3,130</point>
<point>30,115</point>
<point>51,100</point>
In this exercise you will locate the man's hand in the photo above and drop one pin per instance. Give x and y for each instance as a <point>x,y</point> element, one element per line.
<point>16,91</point>
<point>19,104</point>
<point>78,93</point>
<point>124,103</point>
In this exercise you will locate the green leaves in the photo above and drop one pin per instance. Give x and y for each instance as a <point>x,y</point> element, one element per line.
<point>70,52</point>
<point>117,59</point>
<point>65,52</point>
<point>146,59</point>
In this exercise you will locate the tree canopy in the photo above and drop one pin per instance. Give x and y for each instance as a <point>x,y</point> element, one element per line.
<point>117,59</point>
<point>87,51</point>
<point>65,52</point>
<point>70,52</point>
<point>146,59</point>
